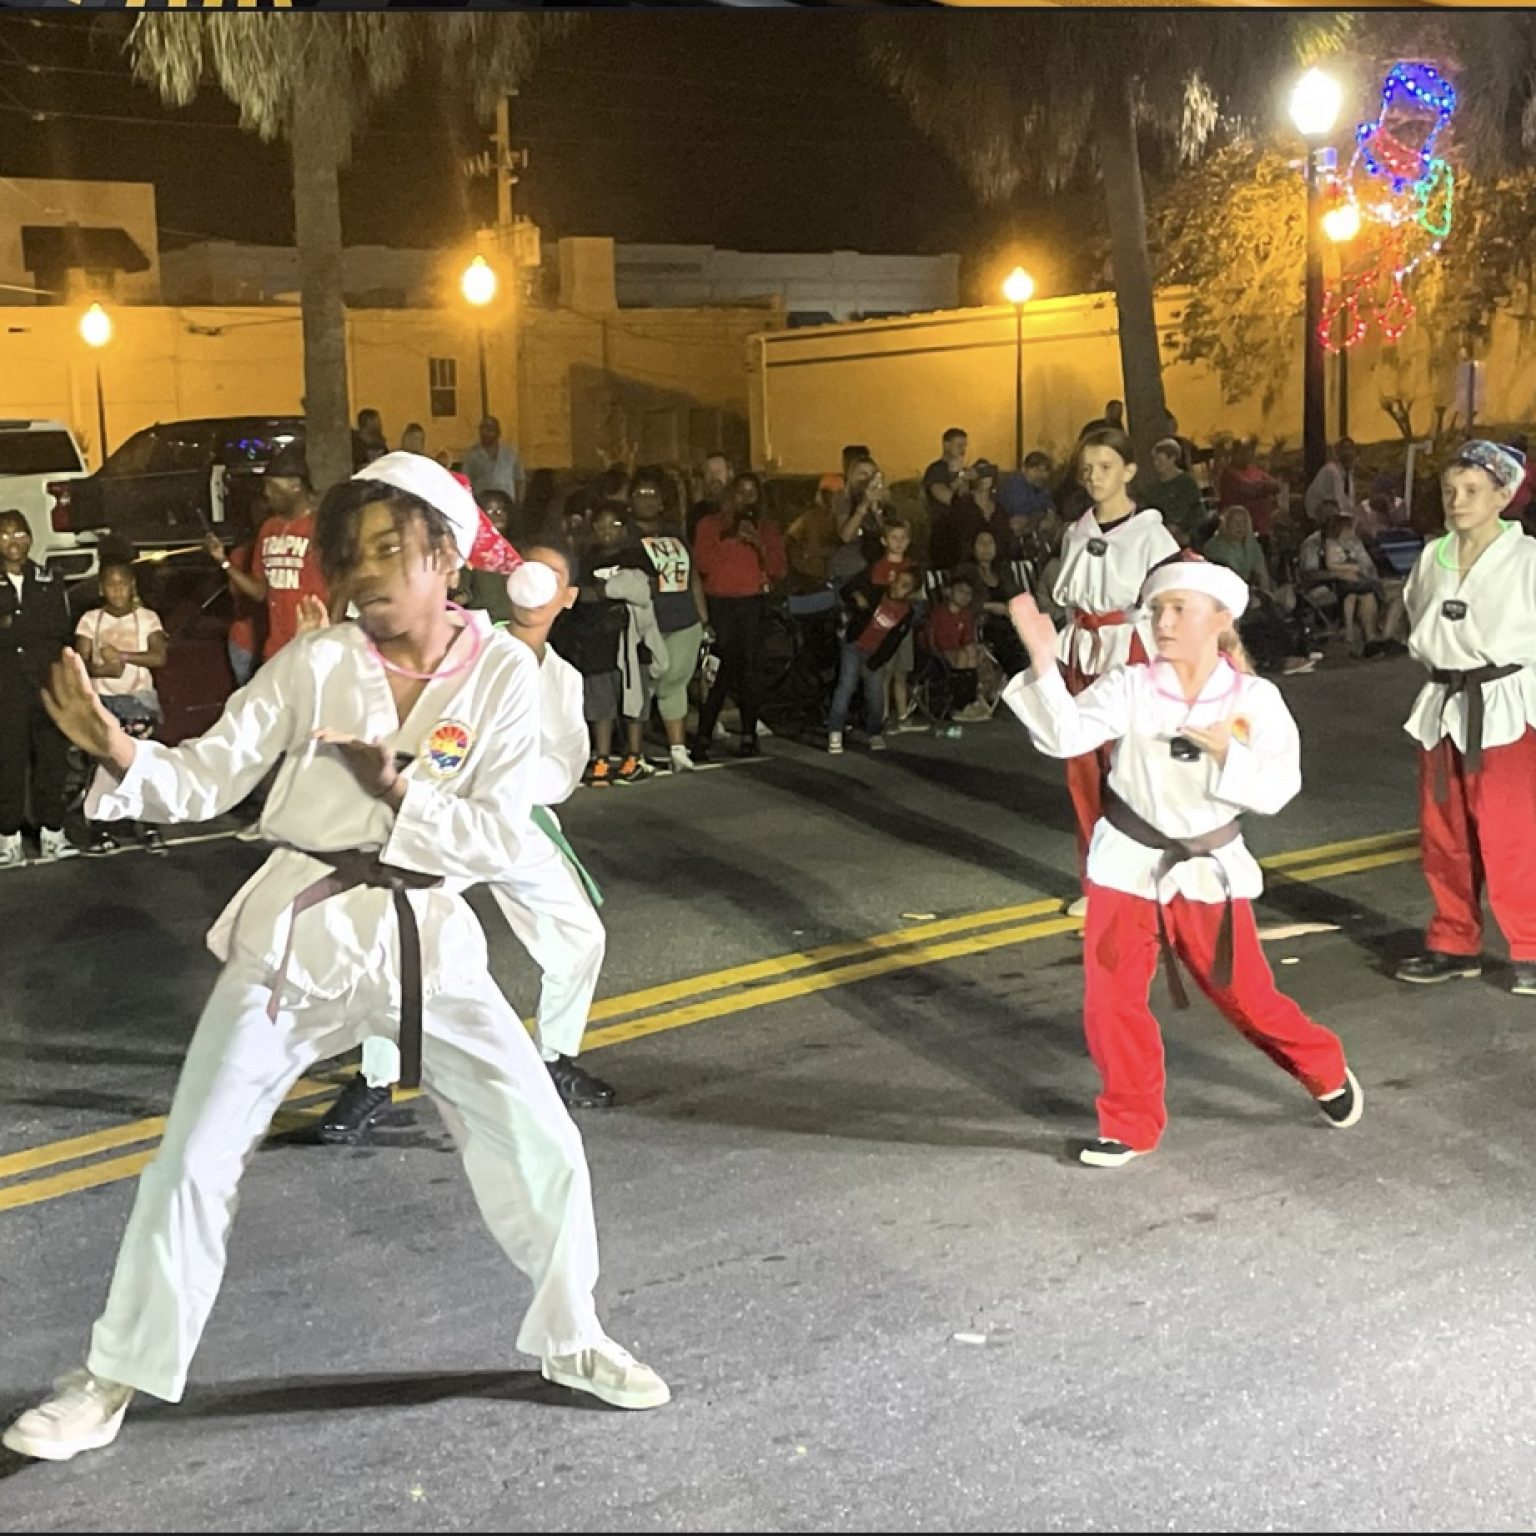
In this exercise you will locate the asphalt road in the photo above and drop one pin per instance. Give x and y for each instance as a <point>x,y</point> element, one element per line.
<point>836,1202</point>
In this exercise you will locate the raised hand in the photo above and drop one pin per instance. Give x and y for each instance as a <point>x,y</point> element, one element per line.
<point>312,614</point>
<point>1036,631</point>
<point>215,547</point>
<point>1213,739</point>
<point>372,762</point>
<point>73,706</point>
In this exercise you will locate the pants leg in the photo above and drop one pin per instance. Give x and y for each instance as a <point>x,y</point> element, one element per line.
<point>1120,955</point>
<point>723,619</point>
<point>50,769</point>
<point>1502,800</point>
<point>1264,1015</point>
<point>682,662</point>
<point>15,745</point>
<point>874,700</point>
<point>749,697</point>
<point>1451,855</point>
<point>849,666</point>
<point>238,1070</point>
<point>547,908</point>
<point>523,1156</point>
<point>1085,784</point>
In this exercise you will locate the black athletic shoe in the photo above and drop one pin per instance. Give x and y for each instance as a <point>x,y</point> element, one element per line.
<point>749,747</point>
<point>1525,979</point>
<point>578,1088</point>
<point>1433,966</point>
<point>357,1107</point>
<point>1106,1154</point>
<point>1344,1107</point>
<point>151,841</point>
<point>698,749</point>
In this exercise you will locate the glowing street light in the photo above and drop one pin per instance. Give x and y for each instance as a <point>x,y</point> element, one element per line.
<point>1342,224</point>
<point>1018,289</point>
<point>479,282</point>
<point>1315,103</point>
<point>96,332</point>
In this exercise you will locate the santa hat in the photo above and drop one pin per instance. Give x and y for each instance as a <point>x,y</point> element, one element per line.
<point>1194,573</point>
<point>529,584</point>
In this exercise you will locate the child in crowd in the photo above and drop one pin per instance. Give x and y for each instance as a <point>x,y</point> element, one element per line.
<point>895,542</point>
<point>123,644</point>
<point>877,624</point>
<point>951,633</point>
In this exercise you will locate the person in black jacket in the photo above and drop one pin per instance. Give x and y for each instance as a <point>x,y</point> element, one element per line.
<point>34,627</point>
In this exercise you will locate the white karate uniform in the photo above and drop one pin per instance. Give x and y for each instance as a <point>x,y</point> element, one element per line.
<point>475,740</point>
<point>1108,582</point>
<point>1498,628</point>
<point>1140,709</point>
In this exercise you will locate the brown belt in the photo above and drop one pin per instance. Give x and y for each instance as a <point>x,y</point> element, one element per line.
<point>351,868</point>
<point>1177,851</point>
<point>1469,682</point>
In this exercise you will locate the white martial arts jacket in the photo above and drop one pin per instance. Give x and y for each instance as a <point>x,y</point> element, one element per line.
<point>474,738</point>
<point>1103,573</point>
<point>564,742</point>
<point>1141,710</point>
<point>1489,619</point>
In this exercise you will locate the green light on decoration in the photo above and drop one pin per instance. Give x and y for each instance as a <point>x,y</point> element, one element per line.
<point>1437,183</point>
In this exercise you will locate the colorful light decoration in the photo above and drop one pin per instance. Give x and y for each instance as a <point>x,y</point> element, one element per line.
<point>1403,193</point>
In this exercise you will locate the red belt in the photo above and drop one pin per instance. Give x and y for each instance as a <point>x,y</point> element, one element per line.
<point>1091,623</point>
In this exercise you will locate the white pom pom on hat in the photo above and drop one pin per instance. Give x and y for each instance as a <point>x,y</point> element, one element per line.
<point>428,480</point>
<point>532,585</point>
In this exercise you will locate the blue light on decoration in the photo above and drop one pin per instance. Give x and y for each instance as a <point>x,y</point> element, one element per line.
<point>1427,89</point>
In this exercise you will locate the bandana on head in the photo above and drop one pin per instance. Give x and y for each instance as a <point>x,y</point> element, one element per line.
<point>1194,573</point>
<point>1504,466</point>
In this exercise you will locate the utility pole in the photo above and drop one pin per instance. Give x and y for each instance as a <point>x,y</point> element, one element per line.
<point>506,177</point>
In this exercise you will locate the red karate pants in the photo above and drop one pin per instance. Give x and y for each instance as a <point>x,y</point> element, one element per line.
<point>1120,962</point>
<point>1484,835</point>
<point>1088,774</point>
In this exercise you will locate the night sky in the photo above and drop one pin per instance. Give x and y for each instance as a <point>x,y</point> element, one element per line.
<point>751,130</point>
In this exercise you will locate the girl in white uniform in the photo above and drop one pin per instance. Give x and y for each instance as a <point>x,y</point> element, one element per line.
<point>1105,557</point>
<point>355,917</point>
<point>1196,741</point>
<point>1472,607</point>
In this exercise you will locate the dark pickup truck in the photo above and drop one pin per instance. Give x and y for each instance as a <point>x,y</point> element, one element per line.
<point>171,483</point>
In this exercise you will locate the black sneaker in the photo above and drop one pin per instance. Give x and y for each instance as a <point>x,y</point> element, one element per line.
<point>102,843</point>
<point>1433,966</point>
<point>578,1088</point>
<point>151,841</point>
<point>357,1107</point>
<point>1103,1153</point>
<point>749,747</point>
<point>1344,1106</point>
<point>1525,979</point>
<point>698,749</point>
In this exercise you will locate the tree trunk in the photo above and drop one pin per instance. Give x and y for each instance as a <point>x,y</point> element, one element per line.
<point>1141,362</point>
<point>316,161</point>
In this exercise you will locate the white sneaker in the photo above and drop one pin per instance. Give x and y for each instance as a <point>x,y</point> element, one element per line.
<point>682,761</point>
<point>56,846</point>
<point>834,742</point>
<point>12,854</point>
<point>1078,908</point>
<point>763,730</point>
<point>877,743</point>
<point>1106,1154</point>
<point>610,1372</point>
<point>84,1414</point>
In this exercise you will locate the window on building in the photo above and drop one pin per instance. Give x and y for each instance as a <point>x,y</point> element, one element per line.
<point>443,383</point>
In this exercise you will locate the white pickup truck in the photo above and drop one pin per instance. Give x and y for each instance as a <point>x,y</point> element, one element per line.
<point>35,455</point>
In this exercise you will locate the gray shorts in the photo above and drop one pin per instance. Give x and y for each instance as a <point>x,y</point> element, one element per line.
<point>600,695</point>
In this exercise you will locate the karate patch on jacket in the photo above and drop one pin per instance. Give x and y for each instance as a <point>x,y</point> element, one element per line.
<point>448,745</point>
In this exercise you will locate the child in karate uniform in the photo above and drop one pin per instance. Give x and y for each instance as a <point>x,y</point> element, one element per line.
<point>1196,741</point>
<point>547,899</point>
<point>1472,607</point>
<point>409,742</point>
<point>1105,557</point>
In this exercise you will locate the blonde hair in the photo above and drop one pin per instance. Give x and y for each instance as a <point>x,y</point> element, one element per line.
<point>1230,644</point>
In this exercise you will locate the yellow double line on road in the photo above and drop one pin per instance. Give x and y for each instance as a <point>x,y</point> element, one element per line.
<point>692,1000</point>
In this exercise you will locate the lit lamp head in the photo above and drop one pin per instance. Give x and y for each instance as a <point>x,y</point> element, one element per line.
<point>1315,104</point>
<point>96,326</point>
<point>1018,287</point>
<point>1342,223</point>
<point>478,284</point>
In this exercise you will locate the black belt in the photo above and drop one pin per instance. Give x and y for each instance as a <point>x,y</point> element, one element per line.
<point>351,868</point>
<point>1177,851</point>
<point>1470,682</point>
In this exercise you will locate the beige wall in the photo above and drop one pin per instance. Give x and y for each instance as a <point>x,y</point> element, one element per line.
<point>897,384</point>
<point>128,205</point>
<point>591,386</point>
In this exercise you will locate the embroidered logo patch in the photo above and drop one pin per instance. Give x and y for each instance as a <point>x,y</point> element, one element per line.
<point>447,748</point>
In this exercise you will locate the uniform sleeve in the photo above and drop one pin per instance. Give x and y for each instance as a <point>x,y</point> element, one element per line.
<point>473,830</point>
<point>205,778</point>
<point>563,760</point>
<point>1161,545</point>
<point>1262,774</point>
<point>1416,590</point>
<point>1063,726</point>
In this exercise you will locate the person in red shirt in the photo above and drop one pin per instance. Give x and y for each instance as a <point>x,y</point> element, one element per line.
<point>951,633</point>
<point>285,567</point>
<point>1244,484</point>
<point>739,556</point>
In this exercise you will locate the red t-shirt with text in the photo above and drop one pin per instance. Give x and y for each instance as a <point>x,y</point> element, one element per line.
<point>285,558</point>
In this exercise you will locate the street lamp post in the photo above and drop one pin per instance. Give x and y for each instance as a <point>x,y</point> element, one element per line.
<point>1018,289</point>
<point>1341,224</point>
<point>96,332</point>
<point>479,285</point>
<point>1315,104</point>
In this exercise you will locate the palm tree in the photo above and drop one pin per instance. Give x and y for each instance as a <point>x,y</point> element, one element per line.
<point>310,81</point>
<point>1042,99</point>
